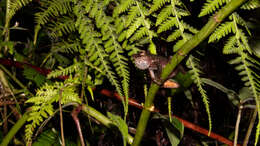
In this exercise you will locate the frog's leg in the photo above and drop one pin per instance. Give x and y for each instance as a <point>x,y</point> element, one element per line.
<point>154,78</point>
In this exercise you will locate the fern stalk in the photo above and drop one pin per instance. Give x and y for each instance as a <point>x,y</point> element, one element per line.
<point>177,58</point>
<point>15,129</point>
<point>102,119</point>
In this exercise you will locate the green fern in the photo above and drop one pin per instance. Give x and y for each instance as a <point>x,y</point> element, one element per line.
<point>33,75</point>
<point>246,65</point>
<point>193,64</point>
<point>251,4</point>
<point>62,26</point>
<point>157,4</point>
<point>52,8</point>
<point>13,6</point>
<point>122,7</point>
<point>101,54</point>
<point>65,71</point>
<point>211,6</point>
<point>42,104</point>
<point>223,30</point>
<point>170,18</point>
<point>137,25</point>
<point>250,78</point>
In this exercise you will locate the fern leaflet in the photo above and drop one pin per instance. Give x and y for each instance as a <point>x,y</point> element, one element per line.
<point>195,71</point>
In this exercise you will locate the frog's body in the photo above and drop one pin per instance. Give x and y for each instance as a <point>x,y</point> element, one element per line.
<point>154,64</point>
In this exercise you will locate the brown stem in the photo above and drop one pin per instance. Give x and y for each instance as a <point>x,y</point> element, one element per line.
<point>74,115</point>
<point>237,124</point>
<point>186,124</point>
<point>250,127</point>
<point>61,120</point>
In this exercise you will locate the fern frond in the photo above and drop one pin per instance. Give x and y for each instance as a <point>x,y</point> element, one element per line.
<point>211,6</point>
<point>65,71</point>
<point>177,33</point>
<point>139,34</point>
<point>95,51</point>
<point>174,36</point>
<point>61,27</point>
<point>132,14</point>
<point>13,6</point>
<point>244,40</point>
<point>33,75</point>
<point>122,7</point>
<point>251,4</point>
<point>195,71</point>
<point>163,15</point>
<point>168,24</point>
<point>157,4</point>
<point>42,104</point>
<point>230,46</point>
<point>181,42</point>
<point>244,65</point>
<point>223,30</point>
<point>190,28</point>
<point>53,8</point>
<point>120,63</point>
<point>134,26</point>
<point>167,11</point>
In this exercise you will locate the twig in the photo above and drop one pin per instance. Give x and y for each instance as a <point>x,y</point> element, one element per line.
<point>237,124</point>
<point>250,127</point>
<point>74,115</point>
<point>14,129</point>
<point>61,120</point>
<point>14,78</point>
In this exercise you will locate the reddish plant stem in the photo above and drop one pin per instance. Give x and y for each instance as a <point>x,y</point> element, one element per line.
<point>74,115</point>
<point>22,65</point>
<point>132,102</point>
<point>186,124</point>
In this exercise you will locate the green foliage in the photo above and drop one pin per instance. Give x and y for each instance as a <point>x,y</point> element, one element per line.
<point>43,102</point>
<point>33,75</point>
<point>193,64</point>
<point>121,124</point>
<point>251,4</point>
<point>238,44</point>
<point>211,6</point>
<point>52,8</point>
<point>169,19</point>
<point>174,128</point>
<point>13,6</point>
<point>96,38</point>
<point>48,137</point>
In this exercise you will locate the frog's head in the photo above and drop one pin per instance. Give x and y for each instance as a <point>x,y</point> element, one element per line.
<point>142,60</point>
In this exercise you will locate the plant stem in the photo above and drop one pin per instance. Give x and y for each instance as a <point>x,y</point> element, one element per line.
<point>15,79</point>
<point>14,129</point>
<point>102,119</point>
<point>237,124</point>
<point>250,127</point>
<point>61,120</point>
<point>177,58</point>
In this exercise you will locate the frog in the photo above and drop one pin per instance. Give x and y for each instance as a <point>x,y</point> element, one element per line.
<point>155,64</point>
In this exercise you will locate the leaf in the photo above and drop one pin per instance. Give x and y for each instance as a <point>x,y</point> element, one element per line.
<point>211,6</point>
<point>121,124</point>
<point>48,137</point>
<point>174,129</point>
<point>173,136</point>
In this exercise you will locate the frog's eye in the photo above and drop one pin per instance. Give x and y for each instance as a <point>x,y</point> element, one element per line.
<point>142,64</point>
